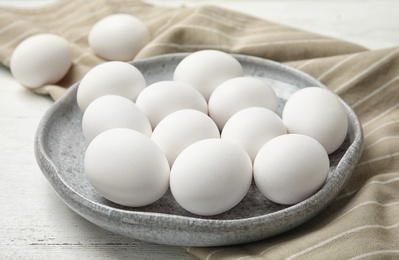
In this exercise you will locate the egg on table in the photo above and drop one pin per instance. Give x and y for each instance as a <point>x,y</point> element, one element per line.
<point>41,59</point>
<point>118,37</point>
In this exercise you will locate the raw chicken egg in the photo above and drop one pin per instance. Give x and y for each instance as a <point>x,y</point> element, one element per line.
<point>318,113</point>
<point>118,37</point>
<point>290,168</point>
<point>182,128</point>
<point>164,97</point>
<point>41,59</point>
<point>207,69</point>
<point>238,93</point>
<point>252,127</point>
<point>127,167</point>
<point>211,176</point>
<point>110,78</point>
<point>113,111</point>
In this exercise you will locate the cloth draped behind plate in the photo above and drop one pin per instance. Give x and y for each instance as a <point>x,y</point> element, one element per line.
<point>363,220</point>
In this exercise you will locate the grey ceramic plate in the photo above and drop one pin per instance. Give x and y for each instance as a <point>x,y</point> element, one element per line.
<point>60,149</point>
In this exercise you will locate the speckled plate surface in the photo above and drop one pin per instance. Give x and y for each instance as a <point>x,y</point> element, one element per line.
<point>60,148</point>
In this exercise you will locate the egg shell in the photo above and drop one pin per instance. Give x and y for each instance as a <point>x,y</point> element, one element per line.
<point>238,93</point>
<point>113,111</point>
<point>318,113</point>
<point>164,97</point>
<point>252,127</point>
<point>126,167</point>
<point>211,176</point>
<point>118,37</point>
<point>207,69</point>
<point>41,59</point>
<point>290,168</point>
<point>110,78</point>
<point>182,128</point>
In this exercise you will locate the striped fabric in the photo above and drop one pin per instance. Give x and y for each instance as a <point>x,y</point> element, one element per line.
<point>363,221</point>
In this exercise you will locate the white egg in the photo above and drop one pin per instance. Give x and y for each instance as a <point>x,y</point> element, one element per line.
<point>118,37</point>
<point>164,97</point>
<point>318,113</point>
<point>252,127</point>
<point>290,168</point>
<point>41,59</point>
<point>211,176</point>
<point>110,78</point>
<point>182,128</point>
<point>126,167</point>
<point>113,111</point>
<point>207,69</point>
<point>238,93</point>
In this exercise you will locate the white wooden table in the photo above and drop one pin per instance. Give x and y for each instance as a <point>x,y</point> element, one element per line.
<point>36,224</point>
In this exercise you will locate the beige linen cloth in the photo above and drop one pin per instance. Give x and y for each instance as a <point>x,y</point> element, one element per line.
<point>363,221</point>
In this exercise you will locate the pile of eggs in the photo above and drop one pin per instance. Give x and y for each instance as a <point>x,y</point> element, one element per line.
<point>206,134</point>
